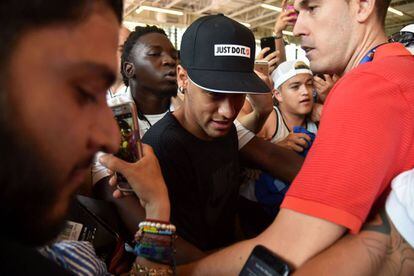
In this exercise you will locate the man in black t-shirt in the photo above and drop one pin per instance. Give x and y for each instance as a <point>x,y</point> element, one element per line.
<point>197,144</point>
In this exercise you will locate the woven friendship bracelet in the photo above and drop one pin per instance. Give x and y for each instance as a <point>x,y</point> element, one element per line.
<point>152,252</point>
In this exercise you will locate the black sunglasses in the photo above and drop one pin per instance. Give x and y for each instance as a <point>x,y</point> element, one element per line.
<point>405,38</point>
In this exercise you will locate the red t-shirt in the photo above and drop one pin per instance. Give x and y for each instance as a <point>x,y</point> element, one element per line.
<point>365,139</point>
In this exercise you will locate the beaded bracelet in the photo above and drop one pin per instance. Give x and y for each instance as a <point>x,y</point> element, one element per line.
<point>157,228</point>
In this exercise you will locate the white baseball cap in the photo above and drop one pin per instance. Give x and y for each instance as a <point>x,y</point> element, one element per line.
<point>408,28</point>
<point>288,70</point>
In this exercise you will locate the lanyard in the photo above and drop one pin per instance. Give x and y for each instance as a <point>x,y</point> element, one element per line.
<point>370,55</point>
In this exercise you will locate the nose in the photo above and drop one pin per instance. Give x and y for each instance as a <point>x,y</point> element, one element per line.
<point>300,29</point>
<point>105,135</point>
<point>169,60</point>
<point>230,105</point>
<point>226,108</point>
<point>305,90</point>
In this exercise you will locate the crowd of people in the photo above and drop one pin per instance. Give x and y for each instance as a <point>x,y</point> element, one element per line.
<point>313,159</point>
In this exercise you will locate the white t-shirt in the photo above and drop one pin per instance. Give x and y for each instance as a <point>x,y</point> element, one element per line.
<point>400,205</point>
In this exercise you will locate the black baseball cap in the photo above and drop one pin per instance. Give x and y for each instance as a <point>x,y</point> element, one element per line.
<point>218,54</point>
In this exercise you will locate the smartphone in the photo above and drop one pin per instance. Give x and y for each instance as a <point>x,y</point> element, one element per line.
<point>268,42</point>
<point>262,66</point>
<point>262,262</point>
<point>291,7</point>
<point>130,148</point>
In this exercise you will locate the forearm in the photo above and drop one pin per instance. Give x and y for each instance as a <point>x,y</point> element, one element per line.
<point>280,46</point>
<point>293,236</point>
<point>281,163</point>
<point>132,213</point>
<point>377,250</point>
<point>228,261</point>
<point>255,120</point>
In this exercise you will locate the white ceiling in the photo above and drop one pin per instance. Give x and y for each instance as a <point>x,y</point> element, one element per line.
<point>261,20</point>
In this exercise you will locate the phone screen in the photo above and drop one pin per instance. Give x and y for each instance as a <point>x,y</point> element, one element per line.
<point>128,147</point>
<point>262,262</point>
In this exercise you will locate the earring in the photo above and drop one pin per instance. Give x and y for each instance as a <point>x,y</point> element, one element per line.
<point>182,89</point>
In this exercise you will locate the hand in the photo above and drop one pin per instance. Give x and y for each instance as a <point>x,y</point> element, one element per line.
<point>296,141</point>
<point>316,112</point>
<point>323,87</point>
<point>285,18</point>
<point>261,103</point>
<point>146,180</point>
<point>272,59</point>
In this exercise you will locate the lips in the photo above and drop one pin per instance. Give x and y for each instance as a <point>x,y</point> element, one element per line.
<point>171,76</point>
<point>221,125</point>
<point>305,101</point>
<point>307,49</point>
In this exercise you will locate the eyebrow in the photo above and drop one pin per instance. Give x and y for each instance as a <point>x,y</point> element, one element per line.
<point>303,3</point>
<point>101,71</point>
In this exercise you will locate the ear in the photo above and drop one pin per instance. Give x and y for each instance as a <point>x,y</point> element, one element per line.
<point>277,95</point>
<point>182,77</point>
<point>364,9</point>
<point>129,69</point>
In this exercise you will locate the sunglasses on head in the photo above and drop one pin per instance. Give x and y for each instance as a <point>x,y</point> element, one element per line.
<point>405,38</point>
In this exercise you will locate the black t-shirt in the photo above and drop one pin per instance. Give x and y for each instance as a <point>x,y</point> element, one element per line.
<point>202,179</point>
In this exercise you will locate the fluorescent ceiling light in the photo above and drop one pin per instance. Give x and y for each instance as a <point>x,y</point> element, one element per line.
<point>397,12</point>
<point>245,24</point>
<point>270,7</point>
<point>155,9</point>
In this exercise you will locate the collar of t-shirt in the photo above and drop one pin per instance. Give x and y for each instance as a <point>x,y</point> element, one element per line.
<point>391,49</point>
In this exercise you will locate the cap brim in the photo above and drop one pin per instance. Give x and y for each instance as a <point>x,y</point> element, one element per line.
<point>228,82</point>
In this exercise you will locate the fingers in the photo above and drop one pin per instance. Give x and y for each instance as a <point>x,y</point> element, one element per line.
<point>147,149</point>
<point>261,54</point>
<point>113,180</point>
<point>117,194</point>
<point>328,78</point>
<point>112,163</point>
<point>271,57</point>
<point>303,136</point>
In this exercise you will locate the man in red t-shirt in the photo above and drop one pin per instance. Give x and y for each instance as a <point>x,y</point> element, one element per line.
<point>365,139</point>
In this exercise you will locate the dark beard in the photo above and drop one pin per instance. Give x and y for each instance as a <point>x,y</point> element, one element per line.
<point>27,193</point>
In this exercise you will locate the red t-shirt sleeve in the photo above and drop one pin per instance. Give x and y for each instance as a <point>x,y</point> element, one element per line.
<point>358,139</point>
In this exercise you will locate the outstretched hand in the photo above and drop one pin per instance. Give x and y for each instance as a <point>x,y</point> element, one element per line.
<point>146,180</point>
<point>296,141</point>
<point>287,17</point>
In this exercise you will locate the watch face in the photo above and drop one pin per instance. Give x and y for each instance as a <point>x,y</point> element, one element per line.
<point>263,262</point>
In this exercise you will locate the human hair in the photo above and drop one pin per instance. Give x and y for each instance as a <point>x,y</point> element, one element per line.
<point>131,42</point>
<point>381,8</point>
<point>20,16</point>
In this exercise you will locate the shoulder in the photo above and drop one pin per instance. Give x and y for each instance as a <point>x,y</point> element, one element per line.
<point>166,134</point>
<point>365,90</point>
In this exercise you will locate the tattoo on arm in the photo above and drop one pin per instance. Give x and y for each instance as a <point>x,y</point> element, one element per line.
<point>389,252</point>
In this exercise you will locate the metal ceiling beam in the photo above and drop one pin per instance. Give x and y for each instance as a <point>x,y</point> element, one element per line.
<point>173,3</point>
<point>249,8</point>
<point>262,17</point>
